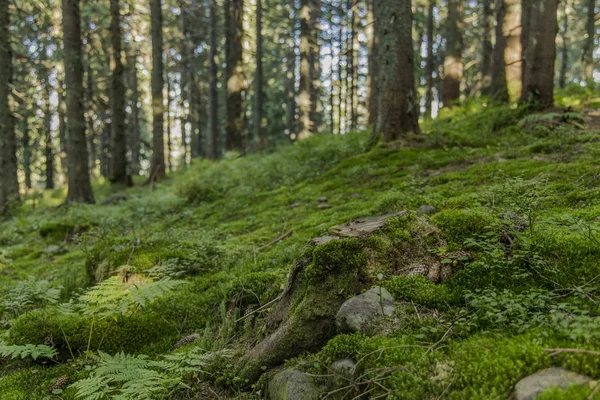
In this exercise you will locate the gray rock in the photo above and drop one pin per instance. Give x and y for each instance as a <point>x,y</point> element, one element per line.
<point>345,368</point>
<point>426,210</point>
<point>54,250</point>
<point>363,312</point>
<point>532,386</point>
<point>291,384</point>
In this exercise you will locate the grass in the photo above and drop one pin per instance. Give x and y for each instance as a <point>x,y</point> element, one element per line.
<point>474,336</point>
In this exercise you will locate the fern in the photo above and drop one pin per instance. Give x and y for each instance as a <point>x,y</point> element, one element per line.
<point>28,350</point>
<point>552,119</point>
<point>113,297</point>
<point>27,295</point>
<point>132,377</point>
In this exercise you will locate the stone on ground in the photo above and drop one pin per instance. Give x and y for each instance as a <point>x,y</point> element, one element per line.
<point>364,312</point>
<point>532,386</point>
<point>291,384</point>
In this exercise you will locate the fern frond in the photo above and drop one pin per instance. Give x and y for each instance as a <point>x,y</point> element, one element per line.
<point>28,350</point>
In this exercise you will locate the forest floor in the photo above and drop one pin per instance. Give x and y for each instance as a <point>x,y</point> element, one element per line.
<point>159,291</point>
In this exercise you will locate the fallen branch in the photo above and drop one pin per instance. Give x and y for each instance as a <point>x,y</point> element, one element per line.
<point>555,352</point>
<point>258,309</point>
<point>279,239</point>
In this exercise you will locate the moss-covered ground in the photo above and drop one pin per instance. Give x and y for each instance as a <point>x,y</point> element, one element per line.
<point>518,191</point>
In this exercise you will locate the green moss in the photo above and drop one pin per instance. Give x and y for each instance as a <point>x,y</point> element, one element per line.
<point>458,225</point>
<point>59,231</point>
<point>334,257</point>
<point>420,290</point>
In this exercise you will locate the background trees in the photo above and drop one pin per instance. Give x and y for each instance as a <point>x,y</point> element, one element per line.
<point>217,75</point>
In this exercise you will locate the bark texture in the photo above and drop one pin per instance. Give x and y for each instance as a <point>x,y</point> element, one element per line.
<point>118,127</point>
<point>213,115</point>
<point>487,48</point>
<point>398,111</point>
<point>158,167</point>
<point>234,136</point>
<point>259,138</point>
<point>588,50</point>
<point>80,188</point>
<point>430,63</point>
<point>499,89</point>
<point>373,47</point>
<point>9,185</point>
<point>538,79</point>
<point>453,64</point>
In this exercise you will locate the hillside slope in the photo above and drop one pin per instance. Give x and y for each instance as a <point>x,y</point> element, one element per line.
<point>513,208</point>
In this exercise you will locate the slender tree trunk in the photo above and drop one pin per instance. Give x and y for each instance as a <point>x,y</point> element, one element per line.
<point>89,113</point>
<point>373,46</point>
<point>135,143</point>
<point>487,47</point>
<point>398,111</point>
<point>538,83</point>
<point>353,64</point>
<point>48,146</point>
<point>315,64</point>
<point>62,132</point>
<point>80,188</point>
<point>119,129</point>
<point>453,65</point>
<point>194,116</point>
<point>499,88</point>
<point>235,139</point>
<point>430,59</point>
<point>212,152</point>
<point>26,152</point>
<point>168,116</point>
<point>588,50</point>
<point>184,67</point>
<point>258,82</point>
<point>342,81</point>
<point>158,167</point>
<point>564,50</point>
<point>306,124</point>
<point>518,24</point>
<point>291,76</point>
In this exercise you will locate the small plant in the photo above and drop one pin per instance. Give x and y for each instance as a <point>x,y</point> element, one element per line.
<point>28,350</point>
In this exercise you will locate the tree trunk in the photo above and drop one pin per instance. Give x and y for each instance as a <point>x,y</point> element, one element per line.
<point>306,123</point>
<point>135,143</point>
<point>398,112</point>
<point>588,50</point>
<point>158,167</point>
<point>353,64</point>
<point>168,116</point>
<point>517,22</point>
<point>538,83</point>
<point>453,65</point>
<point>212,152</point>
<point>80,188</point>
<point>315,64</point>
<point>430,60</point>
<point>373,46</point>
<point>119,129</point>
<point>499,89</point>
<point>342,82</point>
<point>487,47</point>
<point>62,133</point>
<point>184,82</point>
<point>564,50</point>
<point>258,82</point>
<point>26,152</point>
<point>48,147</point>
<point>235,139</point>
<point>291,76</point>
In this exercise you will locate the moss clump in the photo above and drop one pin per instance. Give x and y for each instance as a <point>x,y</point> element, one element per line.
<point>334,257</point>
<point>59,231</point>
<point>420,290</point>
<point>342,347</point>
<point>458,225</point>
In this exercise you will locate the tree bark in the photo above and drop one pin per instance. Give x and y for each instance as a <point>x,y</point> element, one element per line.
<point>48,145</point>
<point>453,65</point>
<point>235,139</point>
<point>212,152</point>
<point>184,82</point>
<point>26,152</point>
<point>564,50</point>
<point>80,188</point>
<point>353,64</point>
<point>499,88</point>
<point>158,167</point>
<point>398,111</point>
<point>119,173</point>
<point>538,82</point>
<point>259,138</point>
<point>430,59</point>
<point>517,22</point>
<point>373,46</point>
<point>588,50</point>
<point>487,47</point>
<point>306,123</point>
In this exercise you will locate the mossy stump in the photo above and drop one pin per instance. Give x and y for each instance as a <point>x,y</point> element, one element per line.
<point>332,270</point>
